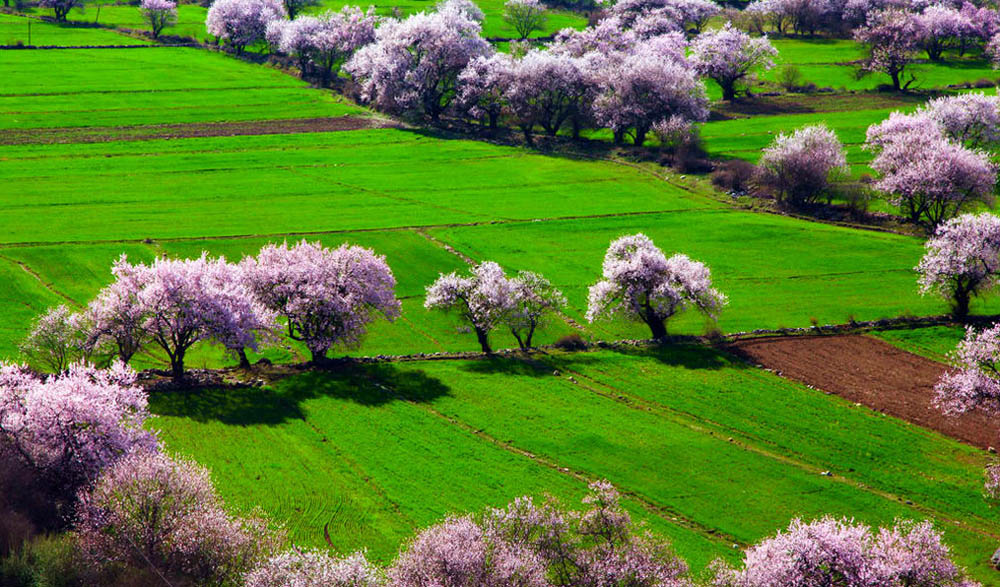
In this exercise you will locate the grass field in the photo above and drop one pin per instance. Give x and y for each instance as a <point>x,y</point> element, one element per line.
<point>122,87</point>
<point>14,31</point>
<point>688,433</point>
<point>709,451</point>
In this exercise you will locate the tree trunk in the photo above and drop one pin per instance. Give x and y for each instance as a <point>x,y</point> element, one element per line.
<point>728,90</point>
<point>895,80</point>
<point>484,340</point>
<point>177,366</point>
<point>318,356</point>
<point>657,327</point>
<point>527,134</point>
<point>640,136</point>
<point>960,310</point>
<point>520,342</point>
<point>244,360</point>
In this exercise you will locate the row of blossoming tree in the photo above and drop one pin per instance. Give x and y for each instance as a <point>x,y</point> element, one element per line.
<point>630,73</point>
<point>324,298</point>
<point>140,516</point>
<point>932,164</point>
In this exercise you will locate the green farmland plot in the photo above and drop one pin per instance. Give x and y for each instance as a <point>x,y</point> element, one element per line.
<point>671,452</point>
<point>121,87</point>
<point>15,29</point>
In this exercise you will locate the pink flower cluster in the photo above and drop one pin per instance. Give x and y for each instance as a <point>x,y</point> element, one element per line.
<point>149,510</point>
<point>530,545</point>
<point>313,568</point>
<point>326,40</point>
<point>326,296</point>
<point>929,176</point>
<point>799,166</point>
<point>962,259</point>
<point>241,23</point>
<point>976,381</point>
<point>487,299</point>
<point>72,425</point>
<point>843,552</point>
<point>639,282</point>
<point>730,57</point>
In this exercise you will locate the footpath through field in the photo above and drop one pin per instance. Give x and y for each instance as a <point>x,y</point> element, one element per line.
<point>871,372</point>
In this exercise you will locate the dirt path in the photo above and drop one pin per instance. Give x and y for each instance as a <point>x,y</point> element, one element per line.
<point>871,372</point>
<point>37,136</point>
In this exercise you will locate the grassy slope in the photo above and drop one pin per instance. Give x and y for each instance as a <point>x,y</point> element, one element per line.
<point>403,432</point>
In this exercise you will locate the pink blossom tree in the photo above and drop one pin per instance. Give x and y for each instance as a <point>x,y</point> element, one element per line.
<point>525,16</point>
<point>928,177</point>
<point>326,40</point>
<point>58,338</point>
<point>971,119</point>
<point>72,425</point>
<point>939,28</point>
<point>241,23</point>
<point>116,315</point>
<point>183,302</point>
<point>457,553</point>
<point>149,510</point>
<point>800,166</point>
<point>546,89</point>
<point>327,297</point>
<point>533,300</point>
<point>644,88</point>
<point>962,260</point>
<point>640,283</point>
<point>482,87</point>
<point>159,14</point>
<point>483,299</point>
<point>891,37</point>
<point>314,568</point>
<point>730,57</point>
<point>547,545</point>
<point>413,65</point>
<point>974,383</point>
<point>829,551</point>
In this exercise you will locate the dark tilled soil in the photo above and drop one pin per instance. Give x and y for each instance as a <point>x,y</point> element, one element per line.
<point>181,131</point>
<point>871,372</point>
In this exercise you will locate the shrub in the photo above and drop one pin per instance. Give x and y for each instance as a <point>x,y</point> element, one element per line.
<point>800,166</point>
<point>571,342</point>
<point>734,176</point>
<point>150,511</point>
<point>789,77</point>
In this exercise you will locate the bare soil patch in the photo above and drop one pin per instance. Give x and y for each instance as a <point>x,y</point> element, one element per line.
<point>870,372</point>
<point>183,131</point>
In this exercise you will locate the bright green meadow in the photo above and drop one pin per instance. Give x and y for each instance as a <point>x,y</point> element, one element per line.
<point>709,451</point>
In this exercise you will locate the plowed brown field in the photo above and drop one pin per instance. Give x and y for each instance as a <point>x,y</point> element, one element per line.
<point>871,372</point>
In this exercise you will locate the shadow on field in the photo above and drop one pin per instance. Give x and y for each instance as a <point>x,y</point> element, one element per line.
<point>368,385</point>
<point>685,356</point>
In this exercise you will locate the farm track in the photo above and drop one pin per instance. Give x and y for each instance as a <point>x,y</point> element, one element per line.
<point>187,131</point>
<point>868,371</point>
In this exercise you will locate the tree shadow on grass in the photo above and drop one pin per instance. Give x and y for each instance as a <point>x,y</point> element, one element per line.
<point>527,365</point>
<point>368,385</point>
<point>683,355</point>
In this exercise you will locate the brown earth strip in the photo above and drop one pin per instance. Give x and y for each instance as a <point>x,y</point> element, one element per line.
<point>870,372</point>
<point>43,136</point>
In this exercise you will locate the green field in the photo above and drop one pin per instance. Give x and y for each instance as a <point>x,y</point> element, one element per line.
<point>726,452</point>
<point>14,30</point>
<point>709,451</point>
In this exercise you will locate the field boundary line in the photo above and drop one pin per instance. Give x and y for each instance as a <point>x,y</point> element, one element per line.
<point>46,285</point>
<point>308,233</point>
